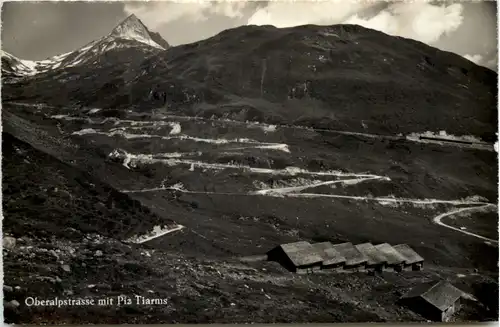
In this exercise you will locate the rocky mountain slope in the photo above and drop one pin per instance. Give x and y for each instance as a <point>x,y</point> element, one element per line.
<point>348,77</point>
<point>268,136</point>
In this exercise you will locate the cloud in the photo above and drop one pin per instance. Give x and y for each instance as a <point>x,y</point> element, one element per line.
<point>287,14</point>
<point>451,25</point>
<point>492,64</point>
<point>233,9</point>
<point>421,21</point>
<point>418,20</point>
<point>474,58</point>
<point>157,13</point>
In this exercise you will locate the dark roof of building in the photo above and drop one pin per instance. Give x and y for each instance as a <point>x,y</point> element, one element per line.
<point>350,253</point>
<point>441,294</point>
<point>393,257</point>
<point>301,253</point>
<point>329,254</point>
<point>410,255</point>
<point>375,257</point>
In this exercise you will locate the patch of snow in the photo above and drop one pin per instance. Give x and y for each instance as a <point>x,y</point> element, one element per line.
<point>60,57</point>
<point>269,128</point>
<point>157,231</point>
<point>59,116</point>
<point>29,64</point>
<point>74,63</point>
<point>178,186</point>
<point>85,131</point>
<point>176,128</point>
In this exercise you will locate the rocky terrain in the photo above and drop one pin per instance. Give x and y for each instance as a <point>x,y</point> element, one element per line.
<point>268,136</point>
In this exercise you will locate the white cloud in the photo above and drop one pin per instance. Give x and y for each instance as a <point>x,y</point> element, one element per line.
<point>154,14</point>
<point>157,13</point>
<point>483,61</point>
<point>429,22</point>
<point>418,20</point>
<point>474,58</point>
<point>421,21</point>
<point>233,9</point>
<point>287,14</point>
<point>492,63</point>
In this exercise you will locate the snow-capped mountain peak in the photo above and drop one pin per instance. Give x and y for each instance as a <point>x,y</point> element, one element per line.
<point>131,26</point>
<point>130,33</point>
<point>11,65</point>
<point>133,29</point>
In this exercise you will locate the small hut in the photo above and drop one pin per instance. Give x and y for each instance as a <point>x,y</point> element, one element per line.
<point>355,260</point>
<point>300,257</point>
<point>376,259</point>
<point>332,259</point>
<point>413,261</point>
<point>395,260</point>
<point>436,301</point>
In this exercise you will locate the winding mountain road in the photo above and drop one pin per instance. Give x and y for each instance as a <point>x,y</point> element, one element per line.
<point>267,127</point>
<point>288,191</point>
<point>437,220</point>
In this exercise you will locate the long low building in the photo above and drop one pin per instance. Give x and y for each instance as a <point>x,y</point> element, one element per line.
<point>395,260</point>
<point>304,257</point>
<point>355,260</point>
<point>300,257</point>
<point>376,260</point>
<point>413,261</point>
<point>332,259</point>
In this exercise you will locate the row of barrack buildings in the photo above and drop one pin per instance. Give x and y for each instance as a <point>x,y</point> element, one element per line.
<point>303,257</point>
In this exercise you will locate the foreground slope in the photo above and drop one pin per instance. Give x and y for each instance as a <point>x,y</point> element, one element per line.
<point>197,270</point>
<point>63,199</point>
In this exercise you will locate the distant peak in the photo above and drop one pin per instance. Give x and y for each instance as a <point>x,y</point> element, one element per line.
<point>6,54</point>
<point>131,20</point>
<point>132,28</point>
<point>129,25</point>
<point>132,16</point>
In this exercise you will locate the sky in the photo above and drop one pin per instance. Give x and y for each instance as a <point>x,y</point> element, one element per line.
<point>37,30</point>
